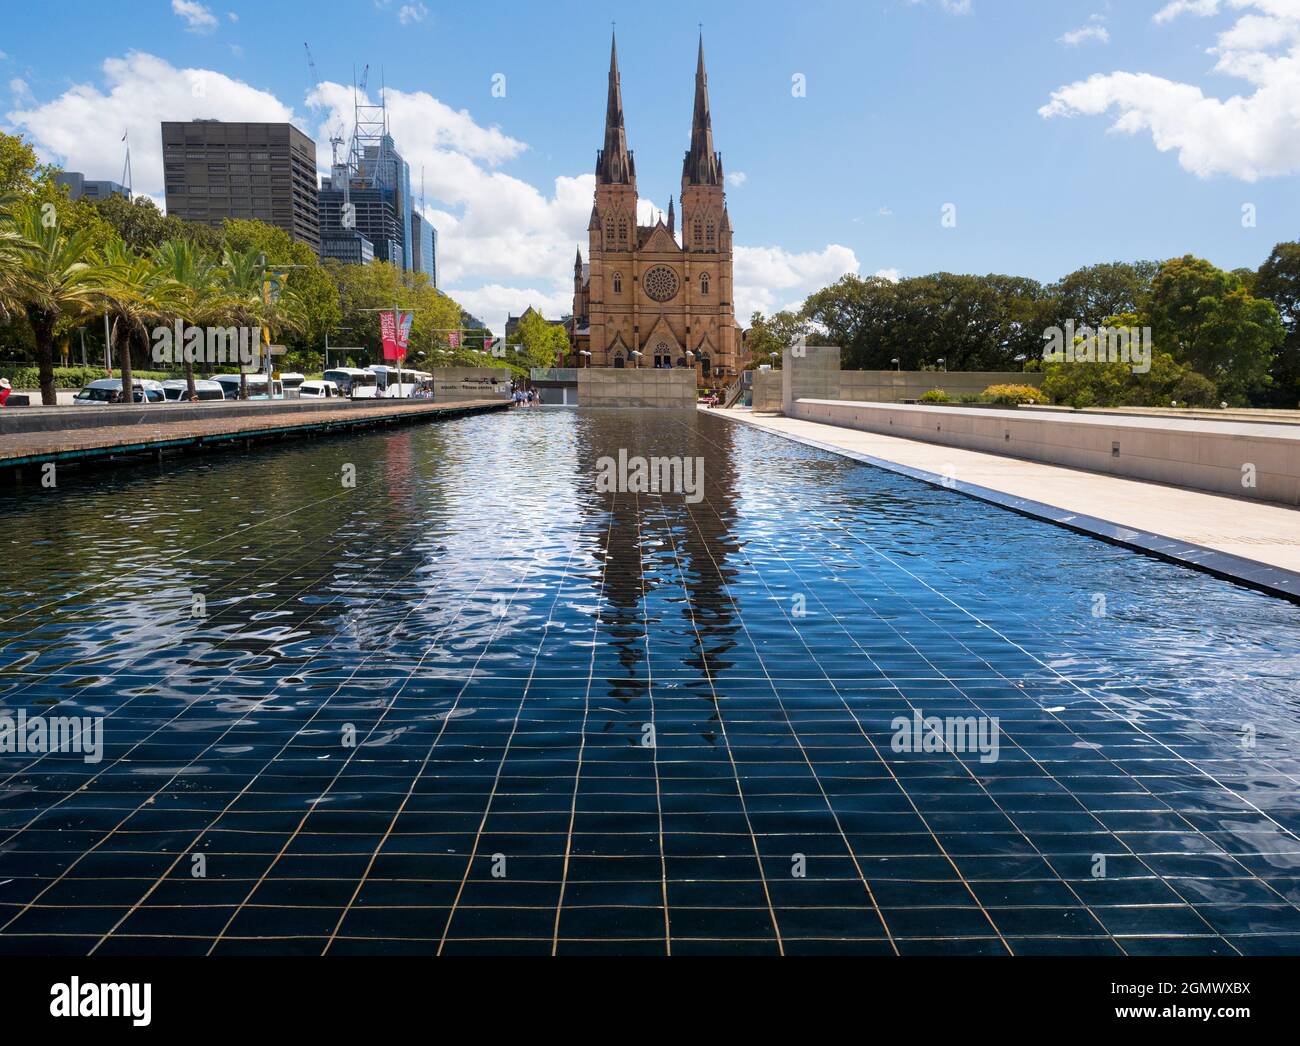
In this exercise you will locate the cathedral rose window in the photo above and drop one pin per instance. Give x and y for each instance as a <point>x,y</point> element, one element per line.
<point>661,283</point>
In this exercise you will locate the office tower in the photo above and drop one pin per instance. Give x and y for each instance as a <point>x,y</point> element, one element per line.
<point>267,171</point>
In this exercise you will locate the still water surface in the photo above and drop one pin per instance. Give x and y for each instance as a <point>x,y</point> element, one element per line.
<point>475,705</point>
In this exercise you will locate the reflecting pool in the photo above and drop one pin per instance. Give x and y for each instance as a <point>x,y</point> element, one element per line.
<point>439,691</point>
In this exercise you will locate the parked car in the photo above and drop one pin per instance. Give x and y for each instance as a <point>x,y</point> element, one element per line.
<point>319,390</point>
<point>109,390</point>
<point>177,391</point>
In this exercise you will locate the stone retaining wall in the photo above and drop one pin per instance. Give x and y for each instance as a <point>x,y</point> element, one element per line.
<point>1255,461</point>
<point>643,387</point>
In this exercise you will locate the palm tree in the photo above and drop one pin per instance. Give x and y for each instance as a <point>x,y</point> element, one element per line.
<point>194,293</point>
<point>12,245</point>
<point>56,277</point>
<point>241,278</point>
<point>135,293</point>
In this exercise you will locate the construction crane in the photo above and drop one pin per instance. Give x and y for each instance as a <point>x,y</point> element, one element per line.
<point>311,64</point>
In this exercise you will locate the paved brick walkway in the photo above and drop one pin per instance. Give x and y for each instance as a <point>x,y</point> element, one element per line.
<point>23,447</point>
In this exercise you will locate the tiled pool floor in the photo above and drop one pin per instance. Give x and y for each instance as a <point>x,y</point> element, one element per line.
<point>474,706</point>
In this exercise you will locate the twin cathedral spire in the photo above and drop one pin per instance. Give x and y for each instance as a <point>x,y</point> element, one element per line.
<point>643,297</point>
<point>616,163</point>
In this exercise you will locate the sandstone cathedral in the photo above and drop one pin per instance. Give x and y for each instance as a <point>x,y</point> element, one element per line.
<point>642,290</point>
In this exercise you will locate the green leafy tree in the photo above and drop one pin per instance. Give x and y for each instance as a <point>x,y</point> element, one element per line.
<point>144,228</point>
<point>970,322</point>
<point>307,282</point>
<point>1091,294</point>
<point>1279,282</point>
<point>20,170</point>
<point>538,344</point>
<point>364,290</point>
<point>1114,384</point>
<point>769,336</point>
<point>1210,323</point>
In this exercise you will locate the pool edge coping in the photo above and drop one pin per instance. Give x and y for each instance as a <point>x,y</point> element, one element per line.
<point>1260,577</point>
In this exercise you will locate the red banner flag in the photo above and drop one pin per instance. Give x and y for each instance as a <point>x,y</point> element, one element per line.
<point>396,331</point>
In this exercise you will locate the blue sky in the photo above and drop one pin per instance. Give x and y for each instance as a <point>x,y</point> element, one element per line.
<point>910,105</point>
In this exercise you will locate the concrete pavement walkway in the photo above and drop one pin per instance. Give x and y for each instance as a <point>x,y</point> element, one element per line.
<point>1255,544</point>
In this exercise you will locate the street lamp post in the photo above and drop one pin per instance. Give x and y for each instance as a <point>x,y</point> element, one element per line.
<point>327,345</point>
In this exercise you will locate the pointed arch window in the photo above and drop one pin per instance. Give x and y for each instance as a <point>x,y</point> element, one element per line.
<point>622,231</point>
<point>618,283</point>
<point>704,285</point>
<point>609,231</point>
<point>711,234</point>
<point>699,231</point>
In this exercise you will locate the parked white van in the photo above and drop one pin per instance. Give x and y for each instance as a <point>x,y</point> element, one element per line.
<point>257,387</point>
<point>177,390</point>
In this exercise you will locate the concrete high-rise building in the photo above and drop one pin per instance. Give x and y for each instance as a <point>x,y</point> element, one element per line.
<point>80,187</point>
<point>215,170</point>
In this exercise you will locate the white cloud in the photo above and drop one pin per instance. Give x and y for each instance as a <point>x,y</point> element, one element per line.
<point>83,127</point>
<point>1094,32</point>
<point>1247,136</point>
<point>953,7</point>
<point>21,92</point>
<point>411,13</point>
<point>737,178</point>
<point>769,279</point>
<point>1178,7</point>
<point>892,275</point>
<point>198,19</point>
